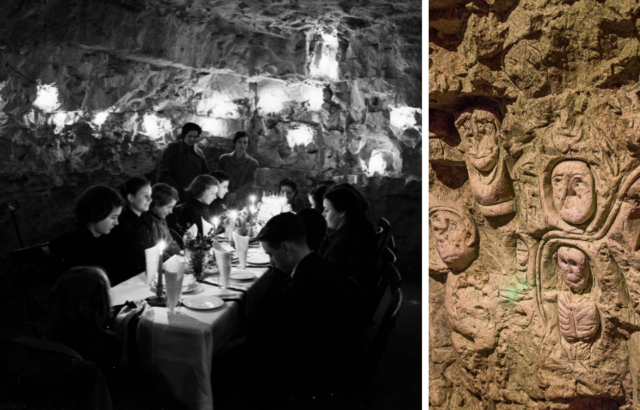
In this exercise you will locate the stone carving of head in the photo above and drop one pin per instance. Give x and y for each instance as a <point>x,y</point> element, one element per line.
<point>574,268</point>
<point>573,191</point>
<point>522,254</point>
<point>478,131</point>
<point>454,238</point>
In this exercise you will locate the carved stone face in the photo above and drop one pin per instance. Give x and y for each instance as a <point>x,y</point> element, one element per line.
<point>479,135</point>
<point>574,268</point>
<point>522,254</point>
<point>573,188</point>
<point>452,239</point>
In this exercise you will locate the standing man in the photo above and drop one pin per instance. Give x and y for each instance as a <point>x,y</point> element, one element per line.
<point>182,161</point>
<point>241,168</point>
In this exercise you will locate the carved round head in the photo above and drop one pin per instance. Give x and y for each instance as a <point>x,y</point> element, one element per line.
<point>478,131</point>
<point>573,191</point>
<point>454,237</point>
<point>574,268</point>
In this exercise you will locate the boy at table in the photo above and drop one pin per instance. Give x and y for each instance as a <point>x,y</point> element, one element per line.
<point>301,324</point>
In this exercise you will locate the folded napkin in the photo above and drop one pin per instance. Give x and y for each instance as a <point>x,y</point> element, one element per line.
<point>206,227</point>
<point>193,230</point>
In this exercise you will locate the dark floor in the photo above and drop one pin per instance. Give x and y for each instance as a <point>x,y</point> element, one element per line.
<point>398,384</point>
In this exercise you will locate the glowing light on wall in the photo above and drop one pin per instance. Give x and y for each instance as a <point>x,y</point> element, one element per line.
<point>302,135</point>
<point>100,118</point>
<point>377,164</point>
<point>403,117</point>
<point>156,127</point>
<point>47,99</point>
<point>325,65</point>
<point>314,96</point>
<point>214,126</point>
<point>270,103</point>
<point>62,118</point>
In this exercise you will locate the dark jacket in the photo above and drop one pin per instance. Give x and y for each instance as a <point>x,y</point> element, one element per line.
<point>180,164</point>
<point>163,233</point>
<point>127,242</point>
<point>192,212</point>
<point>79,248</point>
<point>242,174</point>
<point>352,249</point>
<point>300,326</point>
<point>217,207</point>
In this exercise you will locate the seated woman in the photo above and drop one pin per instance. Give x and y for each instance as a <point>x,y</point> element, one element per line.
<point>220,204</point>
<point>135,232</point>
<point>201,193</point>
<point>80,309</point>
<point>351,245</point>
<point>97,210</point>
<point>316,196</point>
<point>163,199</point>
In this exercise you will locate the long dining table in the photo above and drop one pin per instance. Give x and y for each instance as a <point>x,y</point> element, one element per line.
<point>176,350</point>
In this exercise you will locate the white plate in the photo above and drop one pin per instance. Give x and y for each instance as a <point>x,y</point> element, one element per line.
<point>258,258</point>
<point>241,274</point>
<point>186,287</point>
<point>203,303</point>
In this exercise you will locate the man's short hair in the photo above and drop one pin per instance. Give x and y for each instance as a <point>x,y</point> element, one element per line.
<point>221,176</point>
<point>188,127</point>
<point>288,182</point>
<point>285,227</point>
<point>239,134</point>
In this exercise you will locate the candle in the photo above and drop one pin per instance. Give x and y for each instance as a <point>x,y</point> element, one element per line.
<point>252,209</point>
<point>233,215</point>
<point>252,199</point>
<point>216,222</point>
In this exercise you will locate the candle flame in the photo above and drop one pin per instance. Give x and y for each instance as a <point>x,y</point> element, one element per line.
<point>215,221</point>
<point>161,246</point>
<point>233,214</point>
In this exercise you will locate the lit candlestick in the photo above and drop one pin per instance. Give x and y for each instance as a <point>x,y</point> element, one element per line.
<point>233,215</point>
<point>252,200</point>
<point>252,209</point>
<point>216,223</point>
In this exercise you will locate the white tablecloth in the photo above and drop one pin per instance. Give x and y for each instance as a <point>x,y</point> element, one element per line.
<point>177,350</point>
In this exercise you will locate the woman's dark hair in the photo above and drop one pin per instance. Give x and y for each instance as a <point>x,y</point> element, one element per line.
<point>81,297</point>
<point>132,185</point>
<point>200,184</point>
<point>162,194</point>
<point>318,194</point>
<point>221,176</point>
<point>188,127</point>
<point>239,134</point>
<point>290,183</point>
<point>96,203</point>
<point>315,226</point>
<point>345,200</point>
<point>363,201</point>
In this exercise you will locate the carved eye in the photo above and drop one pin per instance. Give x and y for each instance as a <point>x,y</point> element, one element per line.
<point>453,226</point>
<point>557,180</point>
<point>572,263</point>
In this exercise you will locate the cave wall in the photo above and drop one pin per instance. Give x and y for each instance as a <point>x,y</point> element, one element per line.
<point>534,116</point>
<point>92,91</point>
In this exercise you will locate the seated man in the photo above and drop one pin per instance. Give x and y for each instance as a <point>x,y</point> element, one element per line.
<point>241,168</point>
<point>301,323</point>
<point>290,189</point>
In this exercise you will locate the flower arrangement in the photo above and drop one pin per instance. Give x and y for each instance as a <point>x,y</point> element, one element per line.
<point>244,222</point>
<point>196,251</point>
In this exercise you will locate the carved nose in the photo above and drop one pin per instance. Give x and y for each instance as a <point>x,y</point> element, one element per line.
<point>571,191</point>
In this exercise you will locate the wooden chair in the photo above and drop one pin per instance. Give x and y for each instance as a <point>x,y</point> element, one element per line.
<point>374,352</point>
<point>383,235</point>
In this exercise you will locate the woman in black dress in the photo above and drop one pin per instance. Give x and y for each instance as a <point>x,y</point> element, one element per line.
<point>201,194</point>
<point>97,210</point>
<point>135,231</point>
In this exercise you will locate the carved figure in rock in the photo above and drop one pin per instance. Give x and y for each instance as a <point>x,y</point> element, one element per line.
<point>491,183</point>
<point>584,298</point>
<point>455,236</point>
<point>522,255</point>
<point>573,191</point>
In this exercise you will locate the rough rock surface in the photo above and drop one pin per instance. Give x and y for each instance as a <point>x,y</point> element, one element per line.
<point>534,136</point>
<point>326,89</point>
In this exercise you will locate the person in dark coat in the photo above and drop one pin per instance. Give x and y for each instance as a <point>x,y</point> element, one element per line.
<point>241,168</point>
<point>182,161</point>
<point>200,194</point>
<point>97,210</point>
<point>134,233</point>
<point>163,199</point>
<point>301,324</point>
<point>80,309</point>
<point>351,243</point>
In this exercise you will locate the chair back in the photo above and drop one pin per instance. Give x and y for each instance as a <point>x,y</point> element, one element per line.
<point>393,280</point>
<point>32,255</point>
<point>375,294</point>
<point>383,235</point>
